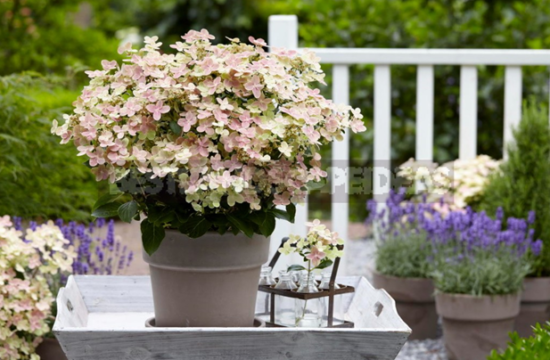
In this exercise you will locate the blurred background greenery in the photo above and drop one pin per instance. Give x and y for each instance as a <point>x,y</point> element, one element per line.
<point>46,44</point>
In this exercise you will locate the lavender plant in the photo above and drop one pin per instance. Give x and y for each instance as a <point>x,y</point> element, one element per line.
<point>403,249</point>
<point>478,255</point>
<point>99,251</point>
<point>465,252</point>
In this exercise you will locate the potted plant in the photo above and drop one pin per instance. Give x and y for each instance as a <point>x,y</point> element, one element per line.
<point>403,264</point>
<point>522,185</point>
<point>206,142</point>
<point>479,266</point>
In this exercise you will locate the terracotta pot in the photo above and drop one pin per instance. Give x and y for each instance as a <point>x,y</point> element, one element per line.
<point>207,282</point>
<point>49,349</point>
<point>535,305</point>
<point>475,325</point>
<point>414,301</point>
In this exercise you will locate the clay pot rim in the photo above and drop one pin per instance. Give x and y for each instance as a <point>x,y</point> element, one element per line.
<point>470,296</point>
<point>477,308</point>
<point>419,279</point>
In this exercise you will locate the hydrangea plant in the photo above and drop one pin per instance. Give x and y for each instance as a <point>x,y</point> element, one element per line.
<point>319,248</point>
<point>458,183</point>
<point>27,262</point>
<point>211,138</point>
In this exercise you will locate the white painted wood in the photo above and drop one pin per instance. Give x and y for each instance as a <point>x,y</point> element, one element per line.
<point>512,102</point>
<point>283,32</point>
<point>468,113</point>
<point>382,132</point>
<point>424,116</point>
<point>433,56</point>
<point>116,334</point>
<point>340,163</point>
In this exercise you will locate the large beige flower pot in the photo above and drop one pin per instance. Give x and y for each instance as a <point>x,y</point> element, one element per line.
<point>207,282</point>
<point>414,301</point>
<point>475,325</point>
<point>535,305</point>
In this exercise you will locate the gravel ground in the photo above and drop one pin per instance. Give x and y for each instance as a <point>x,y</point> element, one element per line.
<point>359,264</point>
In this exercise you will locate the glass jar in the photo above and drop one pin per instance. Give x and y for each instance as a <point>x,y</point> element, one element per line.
<point>284,306</point>
<point>265,276</point>
<point>338,314</point>
<point>308,313</point>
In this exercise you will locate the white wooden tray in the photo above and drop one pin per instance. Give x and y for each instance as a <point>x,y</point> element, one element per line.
<point>103,318</point>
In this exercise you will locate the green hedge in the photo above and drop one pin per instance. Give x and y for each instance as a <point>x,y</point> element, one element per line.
<point>39,179</point>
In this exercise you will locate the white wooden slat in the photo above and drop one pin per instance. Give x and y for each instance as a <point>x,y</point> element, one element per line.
<point>340,162</point>
<point>283,32</point>
<point>468,113</point>
<point>424,115</point>
<point>433,56</point>
<point>382,132</point>
<point>512,102</point>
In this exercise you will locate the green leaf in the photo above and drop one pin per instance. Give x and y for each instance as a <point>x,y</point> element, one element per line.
<point>325,263</point>
<point>106,199</point>
<point>128,211</point>
<point>316,185</point>
<point>280,214</point>
<point>107,210</point>
<point>151,236</point>
<point>265,222</point>
<point>291,210</point>
<point>196,226</point>
<point>175,128</point>
<point>241,225</point>
<point>295,268</point>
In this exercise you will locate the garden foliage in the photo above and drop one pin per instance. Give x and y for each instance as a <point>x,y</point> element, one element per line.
<point>39,178</point>
<point>523,184</point>
<point>535,347</point>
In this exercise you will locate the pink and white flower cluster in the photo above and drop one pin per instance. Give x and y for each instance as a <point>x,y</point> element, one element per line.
<point>227,120</point>
<point>319,244</point>
<point>27,261</point>
<point>458,183</point>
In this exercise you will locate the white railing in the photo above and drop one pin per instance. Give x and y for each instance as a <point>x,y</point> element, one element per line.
<point>283,32</point>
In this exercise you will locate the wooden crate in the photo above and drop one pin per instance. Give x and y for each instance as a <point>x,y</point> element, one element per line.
<point>103,318</point>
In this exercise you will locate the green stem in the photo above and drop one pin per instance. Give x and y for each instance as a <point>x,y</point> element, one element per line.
<point>305,301</point>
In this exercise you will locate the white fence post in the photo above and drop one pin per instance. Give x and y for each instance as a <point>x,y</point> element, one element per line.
<point>340,163</point>
<point>512,102</point>
<point>283,33</point>
<point>382,133</point>
<point>424,116</point>
<point>468,113</point>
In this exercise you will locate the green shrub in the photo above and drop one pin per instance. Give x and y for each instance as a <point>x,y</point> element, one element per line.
<point>523,183</point>
<point>39,178</point>
<point>536,347</point>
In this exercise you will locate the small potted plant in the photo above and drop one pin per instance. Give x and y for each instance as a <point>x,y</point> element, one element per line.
<point>206,143</point>
<point>318,249</point>
<point>522,185</point>
<point>479,266</point>
<point>403,261</point>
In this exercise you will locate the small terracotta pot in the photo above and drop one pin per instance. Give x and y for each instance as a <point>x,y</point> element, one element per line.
<point>475,325</point>
<point>414,301</point>
<point>50,349</point>
<point>211,281</point>
<point>535,305</point>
